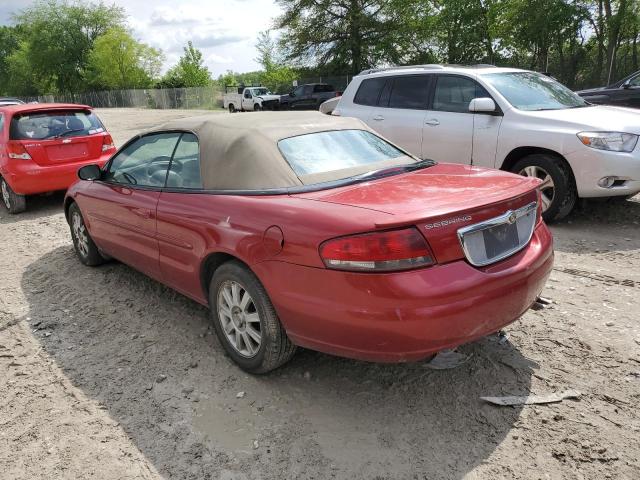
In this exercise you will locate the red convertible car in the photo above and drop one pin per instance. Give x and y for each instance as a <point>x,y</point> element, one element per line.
<point>42,145</point>
<point>311,230</point>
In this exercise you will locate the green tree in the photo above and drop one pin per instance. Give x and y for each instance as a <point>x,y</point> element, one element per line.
<point>277,76</point>
<point>190,70</point>
<point>9,43</point>
<point>344,35</point>
<point>118,61</point>
<point>57,38</point>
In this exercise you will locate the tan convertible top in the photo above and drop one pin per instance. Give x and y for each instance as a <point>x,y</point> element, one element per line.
<point>240,151</point>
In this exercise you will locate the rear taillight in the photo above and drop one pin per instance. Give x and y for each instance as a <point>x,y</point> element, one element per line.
<point>107,144</point>
<point>539,209</point>
<point>378,251</point>
<point>17,151</point>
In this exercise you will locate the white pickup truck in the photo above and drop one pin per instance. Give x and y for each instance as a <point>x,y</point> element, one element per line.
<point>250,99</point>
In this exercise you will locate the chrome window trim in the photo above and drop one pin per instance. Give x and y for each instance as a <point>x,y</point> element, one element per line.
<point>508,217</point>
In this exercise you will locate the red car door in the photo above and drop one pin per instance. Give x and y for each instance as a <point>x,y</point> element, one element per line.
<point>121,207</point>
<point>181,217</point>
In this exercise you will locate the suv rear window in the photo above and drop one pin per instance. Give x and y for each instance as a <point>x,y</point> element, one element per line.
<point>335,150</point>
<point>369,91</point>
<point>41,125</point>
<point>409,92</point>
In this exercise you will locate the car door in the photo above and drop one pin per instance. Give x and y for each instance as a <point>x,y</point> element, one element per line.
<point>448,134</point>
<point>121,206</point>
<point>296,97</point>
<point>180,243</point>
<point>627,95</point>
<point>400,110</point>
<point>247,100</point>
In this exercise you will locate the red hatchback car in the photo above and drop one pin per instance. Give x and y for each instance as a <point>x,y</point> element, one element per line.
<point>311,230</point>
<point>43,145</point>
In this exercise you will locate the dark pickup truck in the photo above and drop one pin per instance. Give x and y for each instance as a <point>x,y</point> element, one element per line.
<point>308,97</point>
<point>624,93</point>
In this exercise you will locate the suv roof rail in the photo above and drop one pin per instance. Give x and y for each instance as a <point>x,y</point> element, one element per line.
<point>430,66</point>
<point>483,65</point>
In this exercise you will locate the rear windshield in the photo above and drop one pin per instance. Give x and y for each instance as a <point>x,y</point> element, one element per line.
<point>337,150</point>
<point>54,124</point>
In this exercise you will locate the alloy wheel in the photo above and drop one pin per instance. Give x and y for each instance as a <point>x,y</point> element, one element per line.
<point>239,318</point>
<point>80,233</point>
<point>5,194</point>
<point>547,187</point>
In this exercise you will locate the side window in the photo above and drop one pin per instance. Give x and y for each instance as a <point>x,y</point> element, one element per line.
<point>409,92</point>
<point>185,166</point>
<point>298,91</point>
<point>308,90</point>
<point>322,88</point>
<point>453,94</point>
<point>369,91</point>
<point>635,81</point>
<point>1,122</point>
<point>247,94</point>
<point>144,162</point>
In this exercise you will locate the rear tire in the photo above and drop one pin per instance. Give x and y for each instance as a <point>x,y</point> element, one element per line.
<point>232,109</point>
<point>14,202</point>
<point>86,249</point>
<point>558,188</point>
<point>245,321</point>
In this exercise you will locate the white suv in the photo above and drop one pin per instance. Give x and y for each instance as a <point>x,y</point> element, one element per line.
<point>506,118</point>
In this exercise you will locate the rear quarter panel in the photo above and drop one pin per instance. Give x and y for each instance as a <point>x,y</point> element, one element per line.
<point>192,226</point>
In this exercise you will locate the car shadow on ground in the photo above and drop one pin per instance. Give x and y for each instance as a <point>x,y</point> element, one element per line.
<point>148,356</point>
<point>590,226</point>
<point>38,206</point>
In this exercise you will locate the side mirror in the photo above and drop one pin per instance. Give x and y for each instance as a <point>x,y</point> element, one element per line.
<point>626,85</point>
<point>482,105</point>
<point>90,173</point>
<point>292,93</point>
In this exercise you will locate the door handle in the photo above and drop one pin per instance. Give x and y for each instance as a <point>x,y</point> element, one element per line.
<point>433,122</point>
<point>378,118</point>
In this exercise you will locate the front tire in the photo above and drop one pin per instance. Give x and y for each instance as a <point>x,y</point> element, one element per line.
<point>257,107</point>
<point>15,203</point>
<point>559,194</point>
<point>245,321</point>
<point>86,250</point>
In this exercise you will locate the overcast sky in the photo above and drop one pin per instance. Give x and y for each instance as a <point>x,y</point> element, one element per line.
<point>225,30</point>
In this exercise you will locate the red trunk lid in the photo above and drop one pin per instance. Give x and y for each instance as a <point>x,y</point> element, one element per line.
<point>58,134</point>
<point>439,200</point>
<point>64,150</point>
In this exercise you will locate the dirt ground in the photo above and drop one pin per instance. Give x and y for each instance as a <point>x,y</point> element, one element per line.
<point>106,374</point>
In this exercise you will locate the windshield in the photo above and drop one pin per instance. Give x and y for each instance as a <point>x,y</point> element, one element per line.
<point>43,125</point>
<point>338,150</point>
<point>534,91</point>
<point>260,91</point>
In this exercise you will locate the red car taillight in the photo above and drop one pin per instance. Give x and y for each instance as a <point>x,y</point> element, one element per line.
<point>539,209</point>
<point>378,251</point>
<point>107,143</point>
<point>17,151</point>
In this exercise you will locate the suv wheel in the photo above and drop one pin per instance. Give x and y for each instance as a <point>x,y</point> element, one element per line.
<point>14,202</point>
<point>558,190</point>
<point>245,321</point>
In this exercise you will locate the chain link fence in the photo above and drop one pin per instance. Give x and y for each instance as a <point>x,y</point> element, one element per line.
<point>207,98</point>
<point>182,98</point>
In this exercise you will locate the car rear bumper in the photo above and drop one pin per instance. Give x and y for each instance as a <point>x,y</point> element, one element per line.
<point>405,316</point>
<point>26,177</point>
<point>590,165</point>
